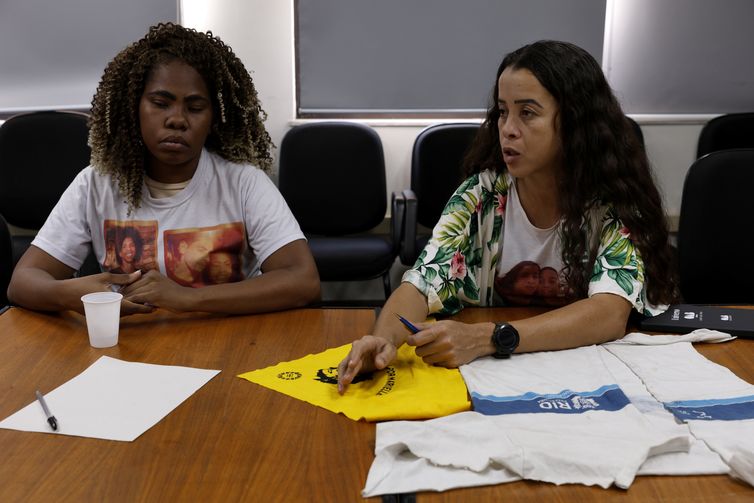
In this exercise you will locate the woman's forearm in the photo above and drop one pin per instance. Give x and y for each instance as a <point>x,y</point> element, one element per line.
<point>595,320</point>
<point>37,289</point>
<point>271,291</point>
<point>407,301</point>
<point>42,282</point>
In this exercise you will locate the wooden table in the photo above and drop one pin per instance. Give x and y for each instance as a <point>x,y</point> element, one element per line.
<point>234,440</point>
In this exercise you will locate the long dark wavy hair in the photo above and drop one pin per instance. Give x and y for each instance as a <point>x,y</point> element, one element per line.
<point>604,162</point>
<point>237,133</point>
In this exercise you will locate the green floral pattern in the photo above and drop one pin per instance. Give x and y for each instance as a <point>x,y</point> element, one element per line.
<point>457,267</point>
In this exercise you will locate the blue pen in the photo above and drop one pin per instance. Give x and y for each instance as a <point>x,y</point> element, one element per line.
<point>407,323</point>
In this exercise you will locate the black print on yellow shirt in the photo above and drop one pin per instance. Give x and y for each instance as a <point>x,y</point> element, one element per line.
<point>388,387</point>
<point>330,376</point>
<point>289,376</point>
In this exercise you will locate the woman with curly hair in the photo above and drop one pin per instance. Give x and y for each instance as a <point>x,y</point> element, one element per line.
<point>556,176</point>
<point>178,148</point>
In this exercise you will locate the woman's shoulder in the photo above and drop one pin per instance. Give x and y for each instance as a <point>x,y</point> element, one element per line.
<point>237,170</point>
<point>93,177</point>
<point>488,179</point>
<point>497,183</point>
<point>602,212</point>
<point>603,221</point>
<point>245,179</point>
<point>90,187</point>
<point>87,173</point>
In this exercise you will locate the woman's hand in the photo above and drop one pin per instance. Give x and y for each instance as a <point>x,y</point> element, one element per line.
<point>153,289</point>
<point>375,352</point>
<point>103,282</point>
<point>367,354</point>
<point>451,343</point>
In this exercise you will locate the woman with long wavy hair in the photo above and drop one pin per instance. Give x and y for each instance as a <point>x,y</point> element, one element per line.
<point>558,177</point>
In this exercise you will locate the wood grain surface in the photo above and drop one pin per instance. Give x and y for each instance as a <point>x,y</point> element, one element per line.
<point>234,440</point>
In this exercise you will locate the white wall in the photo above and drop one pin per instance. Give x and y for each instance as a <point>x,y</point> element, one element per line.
<point>261,34</point>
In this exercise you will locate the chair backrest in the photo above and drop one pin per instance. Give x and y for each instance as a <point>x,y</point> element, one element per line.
<point>332,175</point>
<point>436,167</point>
<point>726,132</point>
<point>6,261</point>
<point>715,239</point>
<point>40,154</point>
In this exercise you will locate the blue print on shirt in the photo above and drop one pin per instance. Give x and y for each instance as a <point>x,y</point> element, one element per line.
<point>607,398</point>
<point>724,409</point>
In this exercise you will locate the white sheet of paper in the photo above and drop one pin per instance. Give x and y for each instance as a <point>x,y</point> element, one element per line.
<point>112,399</point>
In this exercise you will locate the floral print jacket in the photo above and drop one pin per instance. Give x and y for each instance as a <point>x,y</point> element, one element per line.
<point>457,267</point>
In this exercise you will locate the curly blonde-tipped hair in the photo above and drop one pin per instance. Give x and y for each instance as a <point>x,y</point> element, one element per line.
<point>237,133</point>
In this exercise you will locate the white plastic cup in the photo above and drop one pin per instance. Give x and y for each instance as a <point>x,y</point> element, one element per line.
<point>102,318</point>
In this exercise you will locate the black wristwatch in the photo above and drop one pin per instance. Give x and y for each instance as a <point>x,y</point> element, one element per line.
<point>505,339</point>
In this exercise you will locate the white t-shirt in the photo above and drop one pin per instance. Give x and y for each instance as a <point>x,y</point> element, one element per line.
<point>220,228</point>
<point>530,267</point>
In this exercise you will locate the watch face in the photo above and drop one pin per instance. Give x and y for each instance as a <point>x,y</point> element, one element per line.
<point>505,340</point>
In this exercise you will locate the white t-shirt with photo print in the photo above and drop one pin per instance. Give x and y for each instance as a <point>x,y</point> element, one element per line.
<point>529,269</point>
<point>227,221</point>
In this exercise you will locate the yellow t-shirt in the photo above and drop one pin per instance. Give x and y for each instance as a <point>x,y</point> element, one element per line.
<point>407,389</point>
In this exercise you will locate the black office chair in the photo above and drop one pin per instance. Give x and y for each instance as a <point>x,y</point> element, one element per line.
<point>332,175</point>
<point>6,261</point>
<point>435,173</point>
<point>40,154</point>
<point>726,132</point>
<point>715,239</point>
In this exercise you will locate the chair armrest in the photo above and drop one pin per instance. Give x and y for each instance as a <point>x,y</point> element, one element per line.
<point>408,245</point>
<point>398,211</point>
